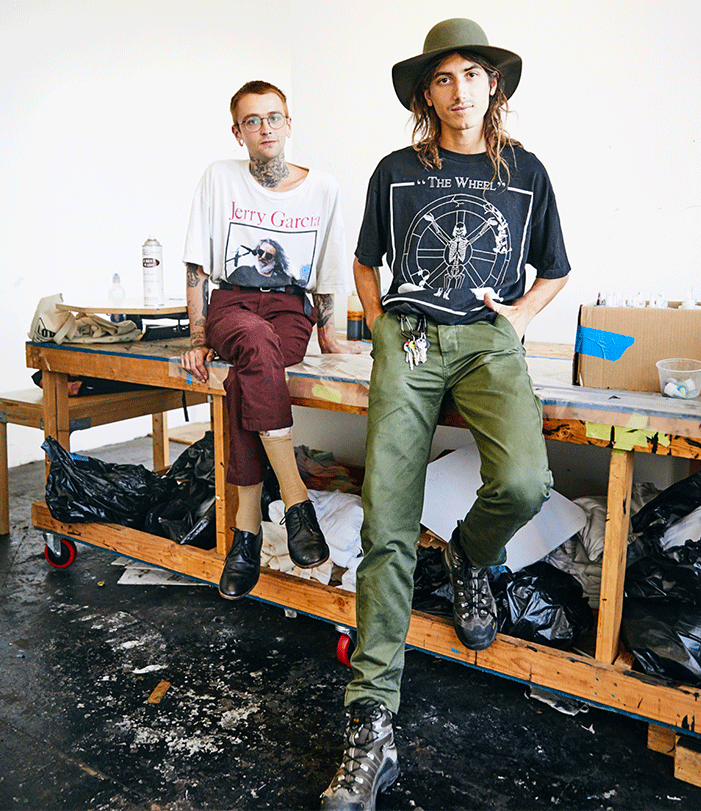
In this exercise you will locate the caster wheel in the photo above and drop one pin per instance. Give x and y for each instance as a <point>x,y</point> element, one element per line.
<point>344,649</point>
<point>67,556</point>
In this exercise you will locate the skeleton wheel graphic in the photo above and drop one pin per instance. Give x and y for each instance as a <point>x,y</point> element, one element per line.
<point>456,240</point>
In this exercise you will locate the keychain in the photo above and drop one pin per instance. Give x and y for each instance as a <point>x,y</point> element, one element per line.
<point>416,344</point>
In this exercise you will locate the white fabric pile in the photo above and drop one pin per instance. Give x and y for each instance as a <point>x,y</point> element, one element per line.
<point>340,517</point>
<point>685,529</point>
<point>581,555</point>
<point>51,325</point>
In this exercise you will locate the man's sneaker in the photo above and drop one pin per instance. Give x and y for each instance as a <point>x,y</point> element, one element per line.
<point>305,540</point>
<point>474,607</point>
<point>369,763</point>
<point>242,565</point>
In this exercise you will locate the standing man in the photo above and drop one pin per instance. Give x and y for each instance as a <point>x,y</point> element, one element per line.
<point>457,215</point>
<point>265,231</point>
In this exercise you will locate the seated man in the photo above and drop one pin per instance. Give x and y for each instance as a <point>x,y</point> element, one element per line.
<point>265,231</point>
<point>457,216</point>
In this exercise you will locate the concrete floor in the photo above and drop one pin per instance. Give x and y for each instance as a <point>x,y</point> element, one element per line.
<point>253,717</point>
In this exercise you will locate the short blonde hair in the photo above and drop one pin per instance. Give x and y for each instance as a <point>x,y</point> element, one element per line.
<point>257,88</point>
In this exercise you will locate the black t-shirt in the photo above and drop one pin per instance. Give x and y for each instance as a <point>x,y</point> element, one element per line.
<point>449,234</point>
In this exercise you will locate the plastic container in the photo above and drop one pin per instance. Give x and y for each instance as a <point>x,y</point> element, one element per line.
<point>680,377</point>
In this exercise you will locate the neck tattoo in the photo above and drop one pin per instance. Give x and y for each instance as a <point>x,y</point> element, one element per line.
<point>269,173</point>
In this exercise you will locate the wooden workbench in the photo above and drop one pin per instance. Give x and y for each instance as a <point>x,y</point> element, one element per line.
<point>625,422</point>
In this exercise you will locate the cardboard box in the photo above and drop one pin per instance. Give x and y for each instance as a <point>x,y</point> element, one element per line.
<point>617,347</point>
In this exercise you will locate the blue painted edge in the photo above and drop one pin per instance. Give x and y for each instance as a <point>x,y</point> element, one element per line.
<point>601,344</point>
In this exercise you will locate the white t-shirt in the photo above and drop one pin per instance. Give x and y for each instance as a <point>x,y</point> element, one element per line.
<point>245,234</point>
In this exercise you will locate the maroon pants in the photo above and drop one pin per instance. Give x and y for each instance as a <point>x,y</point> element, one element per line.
<point>259,333</point>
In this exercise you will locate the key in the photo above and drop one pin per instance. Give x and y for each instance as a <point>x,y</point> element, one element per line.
<point>410,350</point>
<point>422,346</point>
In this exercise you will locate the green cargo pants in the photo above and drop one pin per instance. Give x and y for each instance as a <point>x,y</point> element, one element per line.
<point>483,366</point>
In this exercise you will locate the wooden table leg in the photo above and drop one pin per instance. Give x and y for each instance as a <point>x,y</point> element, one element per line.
<point>685,750</point>
<point>55,398</point>
<point>4,480</point>
<point>227,498</point>
<point>615,550</point>
<point>159,432</point>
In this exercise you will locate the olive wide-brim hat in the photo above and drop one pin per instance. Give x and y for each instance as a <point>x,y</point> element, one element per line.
<point>454,35</point>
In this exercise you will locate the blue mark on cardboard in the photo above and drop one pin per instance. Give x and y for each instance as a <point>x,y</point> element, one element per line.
<point>601,344</point>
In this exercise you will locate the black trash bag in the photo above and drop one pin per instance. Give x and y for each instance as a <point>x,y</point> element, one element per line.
<point>672,574</point>
<point>197,528</point>
<point>271,492</point>
<point>542,604</point>
<point>677,501</point>
<point>185,521</point>
<point>662,611</point>
<point>429,577</point>
<point>83,489</point>
<point>665,636</point>
<point>96,385</point>
<point>195,463</point>
<point>188,515</point>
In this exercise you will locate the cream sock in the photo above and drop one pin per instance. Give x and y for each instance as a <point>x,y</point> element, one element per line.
<point>248,514</point>
<point>281,455</point>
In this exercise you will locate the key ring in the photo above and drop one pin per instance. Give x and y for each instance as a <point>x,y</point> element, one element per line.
<point>407,331</point>
<point>416,344</point>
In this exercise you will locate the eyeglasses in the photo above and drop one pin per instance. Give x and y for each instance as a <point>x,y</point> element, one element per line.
<point>254,122</point>
<point>265,255</point>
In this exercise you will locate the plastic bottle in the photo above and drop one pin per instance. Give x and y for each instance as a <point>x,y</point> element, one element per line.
<point>116,295</point>
<point>152,262</point>
<point>689,302</point>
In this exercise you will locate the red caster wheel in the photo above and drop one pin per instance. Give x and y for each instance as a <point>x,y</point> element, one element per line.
<point>344,649</point>
<point>66,555</point>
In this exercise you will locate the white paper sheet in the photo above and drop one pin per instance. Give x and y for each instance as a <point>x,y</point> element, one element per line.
<point>137,573</point>
<point>451,486</point>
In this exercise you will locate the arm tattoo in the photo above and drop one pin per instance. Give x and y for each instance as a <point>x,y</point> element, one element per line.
<point>324,305</point>
<point>197,308</point>
<point>197,339</point>
<point>193,277</point>
<point>205,298</point>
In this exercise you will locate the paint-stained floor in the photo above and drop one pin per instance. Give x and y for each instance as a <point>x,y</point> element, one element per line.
<point>252,717</point>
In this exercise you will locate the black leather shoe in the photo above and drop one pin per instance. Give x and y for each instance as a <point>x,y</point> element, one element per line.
<point>305,540</point>
<point>242,565</point>
<point>474,607</point>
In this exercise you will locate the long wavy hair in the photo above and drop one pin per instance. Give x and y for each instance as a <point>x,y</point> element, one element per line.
<point>427,125</point>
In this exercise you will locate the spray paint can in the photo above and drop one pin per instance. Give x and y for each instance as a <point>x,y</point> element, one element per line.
<point>152,262</point>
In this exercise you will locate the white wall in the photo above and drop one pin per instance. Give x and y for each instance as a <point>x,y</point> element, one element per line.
<point>111,109</point>
<point>609,100</point>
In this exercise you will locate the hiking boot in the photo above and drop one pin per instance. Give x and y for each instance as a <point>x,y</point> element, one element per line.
<point>369,763</point>
<point>242,565</point>
<point>474,607</point>
<point>305,540</point>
